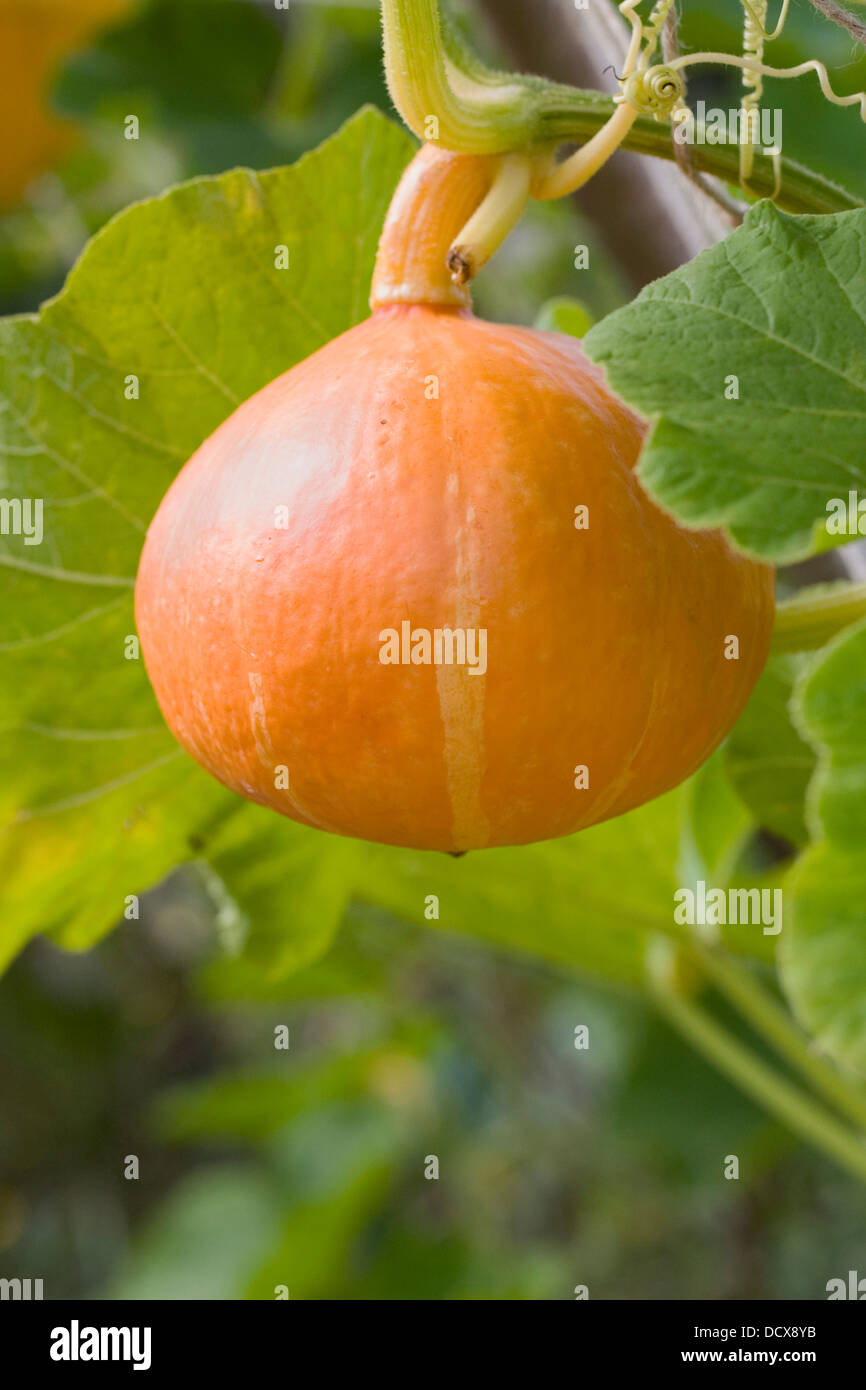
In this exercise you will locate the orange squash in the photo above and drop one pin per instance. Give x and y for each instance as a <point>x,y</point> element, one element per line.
<point>433,469</point>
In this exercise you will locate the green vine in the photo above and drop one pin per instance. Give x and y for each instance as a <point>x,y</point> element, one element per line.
<point>812,618</point>
<point>779,1096</point>
<point>445,94</point>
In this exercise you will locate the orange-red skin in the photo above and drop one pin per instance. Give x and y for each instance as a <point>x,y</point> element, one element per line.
<point>431,464</point>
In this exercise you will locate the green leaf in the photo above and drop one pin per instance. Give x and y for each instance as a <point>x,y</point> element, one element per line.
<point>336,1165</point>
<point>830,709</point>
<point>586,902</point>
<point>252,1106</point>
<point>205,1241</point>
<point>253,857</point>
<point>182,293</point>
<point>716,826</point>
<point>823,949</point>
<point>351,968</point>
<point>564,316</point>
<point>716,842</point>
<point>769,763</point>
<point>781,306</point>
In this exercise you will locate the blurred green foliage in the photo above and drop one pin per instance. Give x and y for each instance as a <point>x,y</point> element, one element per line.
<point>305,1168</point>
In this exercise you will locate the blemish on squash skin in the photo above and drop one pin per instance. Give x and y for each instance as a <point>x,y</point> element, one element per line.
<point>258,722</point>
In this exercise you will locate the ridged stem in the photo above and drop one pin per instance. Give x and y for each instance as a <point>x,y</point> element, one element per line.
<point>436,197</point>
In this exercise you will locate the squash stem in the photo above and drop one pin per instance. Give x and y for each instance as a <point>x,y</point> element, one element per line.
<point>436,199</point>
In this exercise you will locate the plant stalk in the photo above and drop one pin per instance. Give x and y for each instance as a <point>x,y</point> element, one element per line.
<point>435,200</point>
<point>773,1092</point>
<point>772,1021</point>
<point>813,617</point>
<point>447,97</point>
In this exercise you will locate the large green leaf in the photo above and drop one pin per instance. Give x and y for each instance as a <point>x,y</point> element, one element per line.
<point>256,857</point>
<point>823,951</point>
<point>586,902</point>
<point>184,294</point>
<point>830,709</point>
<point>780,305</point>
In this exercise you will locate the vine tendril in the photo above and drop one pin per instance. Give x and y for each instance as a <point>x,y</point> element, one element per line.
<point>657,91</point>
<point>811,65</point>
<point>660,90</point>
<point>754,35</point>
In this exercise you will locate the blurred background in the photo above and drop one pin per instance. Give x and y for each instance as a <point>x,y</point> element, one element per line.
<point>558,1167</point>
